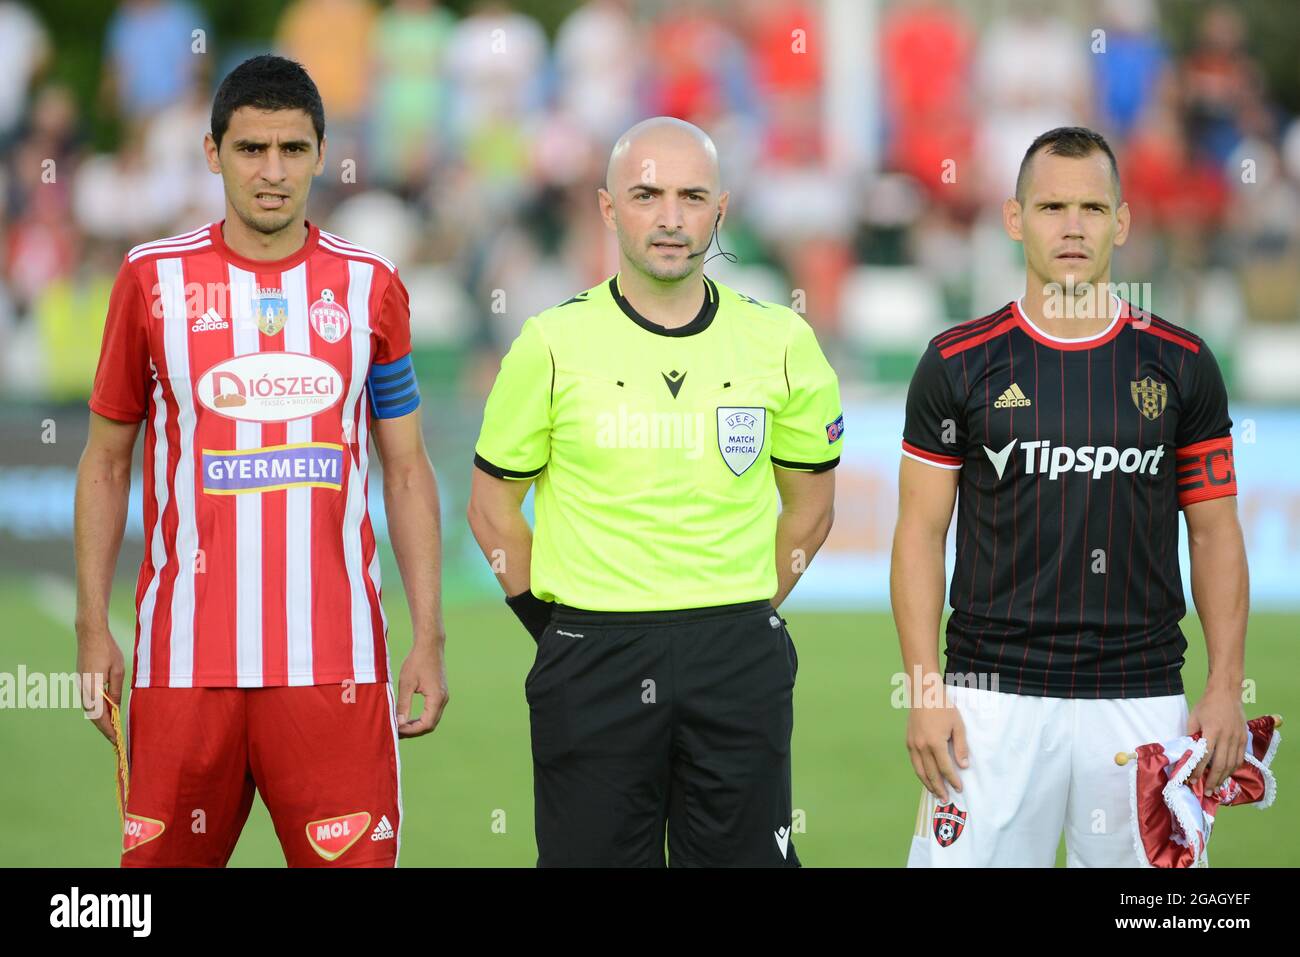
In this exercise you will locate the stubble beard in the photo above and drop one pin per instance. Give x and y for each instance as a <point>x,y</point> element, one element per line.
<point>665,273</point>
<point>266,222</point>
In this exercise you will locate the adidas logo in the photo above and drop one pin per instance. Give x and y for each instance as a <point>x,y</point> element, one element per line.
<point>209,322</point>
<point>383,830</point>
<point>1013,398</point>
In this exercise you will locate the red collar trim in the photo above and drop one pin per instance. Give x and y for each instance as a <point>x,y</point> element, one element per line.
<point>1117,323</point>
<point>265,265</point>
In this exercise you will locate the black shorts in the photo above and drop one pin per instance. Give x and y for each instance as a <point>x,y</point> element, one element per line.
<point>650,721</point>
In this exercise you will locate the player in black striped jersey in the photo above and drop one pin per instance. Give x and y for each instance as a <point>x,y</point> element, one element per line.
<point>1070,428</point>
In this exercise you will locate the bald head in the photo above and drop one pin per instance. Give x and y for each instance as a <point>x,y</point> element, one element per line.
<point>663,198</point>
<point>661,140</point>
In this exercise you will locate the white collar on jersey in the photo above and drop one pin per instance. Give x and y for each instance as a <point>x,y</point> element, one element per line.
<point>1119,307</point>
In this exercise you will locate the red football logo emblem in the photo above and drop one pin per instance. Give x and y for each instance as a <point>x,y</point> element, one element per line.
<point>949,822</point>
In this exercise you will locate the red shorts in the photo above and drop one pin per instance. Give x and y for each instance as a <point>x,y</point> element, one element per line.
<point>324,758</point>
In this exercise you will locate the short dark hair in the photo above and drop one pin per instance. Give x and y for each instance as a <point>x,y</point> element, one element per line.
<point>267,82</point>
<point>1074,142</point>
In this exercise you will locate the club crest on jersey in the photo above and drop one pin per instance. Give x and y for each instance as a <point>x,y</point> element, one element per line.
<point>272,310</point>
<point>328,317</point>
<point>949,822</point>
<point>740,436</point>
<point>1150,397</point>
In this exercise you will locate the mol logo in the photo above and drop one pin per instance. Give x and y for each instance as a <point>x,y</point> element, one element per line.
<point>334,835</point>
<point>1043,458</point>
<point>137,830</point>
<point>270,386</point>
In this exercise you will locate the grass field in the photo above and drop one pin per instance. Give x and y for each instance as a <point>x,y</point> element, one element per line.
<point>852,778</point>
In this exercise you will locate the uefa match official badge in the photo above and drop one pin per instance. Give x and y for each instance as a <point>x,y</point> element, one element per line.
<point>740,436</point>
<point>949,822</point>
<point>328,317</point>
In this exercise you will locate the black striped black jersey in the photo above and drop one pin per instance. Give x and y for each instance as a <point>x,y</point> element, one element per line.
<point>1076,456</point>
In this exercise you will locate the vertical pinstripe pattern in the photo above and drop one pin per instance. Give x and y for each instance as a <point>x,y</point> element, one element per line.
<point>1087,518</point>
<point>973,540</point>
<point>1060,546</point>
<point>248,508</point>
<point>373,568</point>
<point>1015,501</point>
<point>993,564</point>
<point>375,578</point>
<point>298,501</point>
<point>157,547</point>
<point>397,757</point>
<point>1132,506</point>
<point>1038,516</point>
<point>176,343</point>
<point>360,275</point>
<point>1110,521</point>
<point>1112,641</point>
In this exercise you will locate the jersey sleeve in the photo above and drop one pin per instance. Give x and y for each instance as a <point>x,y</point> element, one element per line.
<point>515,440</point>
<point>934,428</point>
<point>1204,460</point>
<point>121,388</point>
<point>807,431</point>
<point>391,382</point>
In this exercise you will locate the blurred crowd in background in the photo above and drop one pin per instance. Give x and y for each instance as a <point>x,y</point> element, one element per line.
<point>466,143</point>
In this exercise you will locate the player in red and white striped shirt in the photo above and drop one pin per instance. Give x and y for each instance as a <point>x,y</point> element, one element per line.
<point>262,353</point>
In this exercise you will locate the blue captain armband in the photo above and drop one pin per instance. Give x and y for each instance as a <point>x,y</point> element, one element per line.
<point>393,388</point>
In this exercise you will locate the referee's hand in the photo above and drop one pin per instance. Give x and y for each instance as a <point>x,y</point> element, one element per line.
<point>929,729</point>
<point>423,673</point>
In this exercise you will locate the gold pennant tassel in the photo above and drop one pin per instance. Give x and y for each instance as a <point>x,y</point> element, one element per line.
<point>122,772</point>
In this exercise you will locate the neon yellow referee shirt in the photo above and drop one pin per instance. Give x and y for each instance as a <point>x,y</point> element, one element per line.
<point>652,447</point>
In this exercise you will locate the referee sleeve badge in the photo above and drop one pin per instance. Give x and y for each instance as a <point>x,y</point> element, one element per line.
<point>835,430</point>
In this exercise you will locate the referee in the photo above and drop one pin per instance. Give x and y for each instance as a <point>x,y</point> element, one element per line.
<point>659,414</point>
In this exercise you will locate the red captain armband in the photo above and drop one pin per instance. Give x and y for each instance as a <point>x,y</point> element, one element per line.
<point>1205,471</point>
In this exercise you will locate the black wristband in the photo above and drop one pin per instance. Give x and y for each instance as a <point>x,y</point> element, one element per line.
<point>534,613</point>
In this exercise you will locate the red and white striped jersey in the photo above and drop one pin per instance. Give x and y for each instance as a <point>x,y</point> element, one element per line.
<point>260,565</point>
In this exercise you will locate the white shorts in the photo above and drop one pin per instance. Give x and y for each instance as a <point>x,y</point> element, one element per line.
<point>1039,766</point>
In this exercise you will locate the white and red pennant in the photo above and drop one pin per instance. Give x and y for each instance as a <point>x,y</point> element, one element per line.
<point>1172,812</point>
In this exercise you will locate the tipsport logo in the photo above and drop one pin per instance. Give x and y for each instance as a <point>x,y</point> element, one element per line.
<point>1043,458</point>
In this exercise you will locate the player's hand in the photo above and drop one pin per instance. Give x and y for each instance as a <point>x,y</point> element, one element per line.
<point>1221,720</point>
<point>423,673</point>
<point>101,668</point>
<point>930,726</point>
